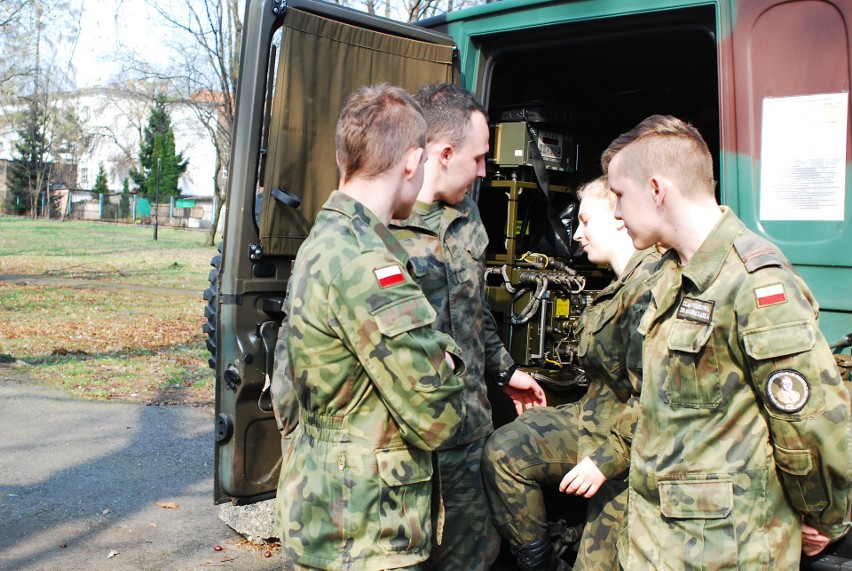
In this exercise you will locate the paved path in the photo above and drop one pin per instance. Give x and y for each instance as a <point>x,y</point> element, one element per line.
<point>80,480</point>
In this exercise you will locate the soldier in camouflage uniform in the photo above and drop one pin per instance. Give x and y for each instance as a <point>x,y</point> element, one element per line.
<point>743,423</point>
<point>543,446</point>
<point>377,388</point>
<point>446,241</point>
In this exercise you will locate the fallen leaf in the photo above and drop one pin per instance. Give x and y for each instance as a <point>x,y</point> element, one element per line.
<point>168,505</point>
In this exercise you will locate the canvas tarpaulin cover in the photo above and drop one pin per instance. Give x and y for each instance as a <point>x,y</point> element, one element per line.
<point>322,62</point>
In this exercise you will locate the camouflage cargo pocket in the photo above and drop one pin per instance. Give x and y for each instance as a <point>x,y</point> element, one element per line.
<point>405,500</point>
<point>699,515</point>
<point>693,379</point>
<point>805,492</point>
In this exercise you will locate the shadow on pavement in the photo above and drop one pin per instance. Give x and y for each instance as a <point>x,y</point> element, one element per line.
<point>81,480</point>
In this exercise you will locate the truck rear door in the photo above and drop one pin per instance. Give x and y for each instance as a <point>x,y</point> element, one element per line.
<point>786,139</point>
<point>299,60</point>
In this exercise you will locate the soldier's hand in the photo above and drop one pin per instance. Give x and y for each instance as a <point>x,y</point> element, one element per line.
<point>584,479</point>
<point>812,540</point>
<point>524,392</point>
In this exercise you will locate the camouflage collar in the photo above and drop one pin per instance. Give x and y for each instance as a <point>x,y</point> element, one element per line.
<point>635,261</point>
<point>706,264</point>
<point>451,212</point>
<point>351,208</point>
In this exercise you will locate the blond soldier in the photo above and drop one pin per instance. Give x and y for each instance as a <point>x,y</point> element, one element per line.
<point>582,448</point>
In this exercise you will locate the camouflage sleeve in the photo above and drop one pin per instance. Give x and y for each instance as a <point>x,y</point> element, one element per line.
<point>616,417</point>
<point>284,402</point>
<point>601,409</point>
<point>385,320</point>
<point>497,358</point>
<point>799,387</point>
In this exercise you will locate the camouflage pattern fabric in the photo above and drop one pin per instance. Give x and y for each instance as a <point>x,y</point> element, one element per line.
<point>533,451</point>
<point>446,245</point>
<point>543,444</point>
<point>284,402</point>
<point>376,396</point>
<point>744,425</point>
<point>469,540</point>
<point>449,266</point>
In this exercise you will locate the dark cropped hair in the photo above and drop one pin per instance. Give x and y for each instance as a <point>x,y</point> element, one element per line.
<point>447,109</point>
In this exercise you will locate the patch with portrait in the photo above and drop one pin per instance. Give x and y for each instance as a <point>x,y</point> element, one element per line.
<point>788,390</point>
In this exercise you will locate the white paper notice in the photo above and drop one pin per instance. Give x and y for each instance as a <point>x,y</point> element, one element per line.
<point>803,157</point>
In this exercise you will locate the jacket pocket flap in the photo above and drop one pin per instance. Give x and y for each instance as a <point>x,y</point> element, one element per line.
<point>402,466</point>
<point>689,337</point>
<point>696,499</point>
<point>405,315</point>
<point>779,340</point>
<point>795,462</point>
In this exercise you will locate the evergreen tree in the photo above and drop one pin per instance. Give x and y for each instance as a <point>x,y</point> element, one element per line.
<point>101,181</point>
<point>124,202</point>
<point>29,171</point>
<point>158,142</point>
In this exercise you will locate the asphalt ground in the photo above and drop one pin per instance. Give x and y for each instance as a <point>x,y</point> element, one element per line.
<point>113,486</point>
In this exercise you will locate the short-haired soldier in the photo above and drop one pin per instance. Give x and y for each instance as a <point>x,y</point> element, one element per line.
<point>377,388</point>
<point>725,473</point>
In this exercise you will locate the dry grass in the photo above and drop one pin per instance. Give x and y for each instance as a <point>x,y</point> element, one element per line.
<point>96,342</point>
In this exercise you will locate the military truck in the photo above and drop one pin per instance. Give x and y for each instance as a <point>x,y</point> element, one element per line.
<point>765,81</point>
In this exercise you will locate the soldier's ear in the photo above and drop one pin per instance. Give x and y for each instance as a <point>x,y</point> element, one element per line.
<point>446,154</point>
<point>659,187</point>
<point>413,162</point>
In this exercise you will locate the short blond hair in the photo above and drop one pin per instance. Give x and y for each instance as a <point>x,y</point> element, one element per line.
<point>598,189</point>
<point>668,144</point>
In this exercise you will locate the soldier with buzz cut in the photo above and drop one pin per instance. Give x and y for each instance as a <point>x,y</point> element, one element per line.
<point>377,388</point>
<point>741,455</point>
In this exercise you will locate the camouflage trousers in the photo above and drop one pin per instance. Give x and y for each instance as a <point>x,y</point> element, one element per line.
<point>469,540</point>
<point>534,451</point>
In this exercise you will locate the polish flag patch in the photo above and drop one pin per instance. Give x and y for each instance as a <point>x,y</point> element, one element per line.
<point>389,276</point>
<point>770,295</point>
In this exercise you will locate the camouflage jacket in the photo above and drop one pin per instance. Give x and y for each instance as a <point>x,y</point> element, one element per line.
<point>450,268</point>
<point>610,351</point>
<point>744,424</point>
<point>375,393</point>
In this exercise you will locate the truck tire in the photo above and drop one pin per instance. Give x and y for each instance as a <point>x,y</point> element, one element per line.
<point>210,296</point>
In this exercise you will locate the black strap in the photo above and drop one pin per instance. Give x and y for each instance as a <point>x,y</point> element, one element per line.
<point>544,184</point>
<point>284,196</point>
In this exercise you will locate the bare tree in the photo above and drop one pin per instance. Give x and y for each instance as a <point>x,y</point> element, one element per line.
<point>15,46</point>
<point>408,10</point>
<point>39,33</point>
<point>205,54</point>
<point>205,62</point>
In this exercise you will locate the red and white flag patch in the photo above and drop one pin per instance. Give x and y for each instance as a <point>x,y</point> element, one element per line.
<point>389,275</point>
<point>770,295</point>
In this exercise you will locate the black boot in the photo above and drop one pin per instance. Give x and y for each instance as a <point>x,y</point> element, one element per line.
<point>539,556</point>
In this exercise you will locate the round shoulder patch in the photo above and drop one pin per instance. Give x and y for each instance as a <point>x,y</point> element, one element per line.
<point>788,390</point>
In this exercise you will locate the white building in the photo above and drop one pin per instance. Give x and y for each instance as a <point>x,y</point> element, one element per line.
<point>114,122</point>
